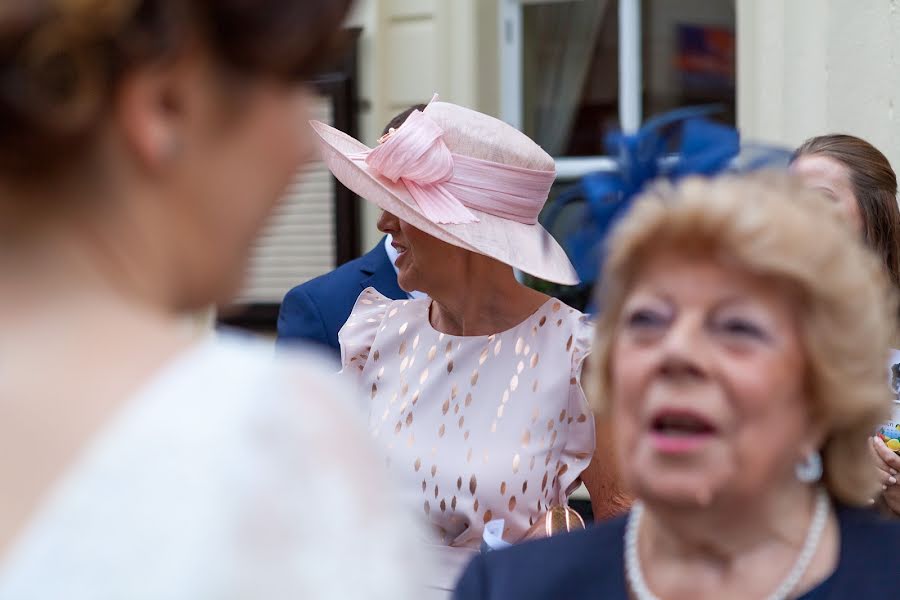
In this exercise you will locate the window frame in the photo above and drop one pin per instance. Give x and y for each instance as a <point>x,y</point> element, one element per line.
<point>630,76</point>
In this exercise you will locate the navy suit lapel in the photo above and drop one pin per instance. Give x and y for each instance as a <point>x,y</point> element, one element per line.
<point>380,273</point>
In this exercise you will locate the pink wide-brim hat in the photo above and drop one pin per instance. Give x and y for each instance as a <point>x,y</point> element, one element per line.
<point>467,133</point>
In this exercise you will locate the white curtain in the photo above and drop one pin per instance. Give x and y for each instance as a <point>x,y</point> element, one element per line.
<point>565,34</point>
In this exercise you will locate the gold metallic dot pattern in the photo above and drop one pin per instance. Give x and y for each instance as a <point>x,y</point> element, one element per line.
<point>512,412</point>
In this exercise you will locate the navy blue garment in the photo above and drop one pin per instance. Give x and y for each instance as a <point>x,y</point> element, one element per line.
<point>316,310</point>
<point>590,564</point>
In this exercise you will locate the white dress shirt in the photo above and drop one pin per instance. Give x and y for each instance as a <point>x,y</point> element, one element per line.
<point>392,256</point>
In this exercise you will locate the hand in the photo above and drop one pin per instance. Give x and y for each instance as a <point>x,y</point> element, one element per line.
<point>888,464</point>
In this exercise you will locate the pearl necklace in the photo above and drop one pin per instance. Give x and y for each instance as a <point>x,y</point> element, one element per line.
<point>635,574</point>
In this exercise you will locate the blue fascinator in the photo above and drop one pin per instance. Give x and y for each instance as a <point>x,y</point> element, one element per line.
<point>670,146</point>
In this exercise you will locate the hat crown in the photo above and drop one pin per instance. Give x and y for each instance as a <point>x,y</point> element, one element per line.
<point>471,133</point>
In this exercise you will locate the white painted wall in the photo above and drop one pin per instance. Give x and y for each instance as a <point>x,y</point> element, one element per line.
<point>810,67</point>
<point>412,48</point>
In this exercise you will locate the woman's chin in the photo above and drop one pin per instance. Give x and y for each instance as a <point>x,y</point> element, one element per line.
<point>677,490</point>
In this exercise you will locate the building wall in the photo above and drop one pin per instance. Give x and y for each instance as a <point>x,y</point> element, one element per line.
<point>410,49</point>
<point>809,67</point>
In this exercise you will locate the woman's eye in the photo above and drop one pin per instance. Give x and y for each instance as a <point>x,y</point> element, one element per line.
<point>743,328</point>
<point>645,319</point>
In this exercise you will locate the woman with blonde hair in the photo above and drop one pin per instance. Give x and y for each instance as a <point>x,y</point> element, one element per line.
<point>143,144</point>
<point>740,358</point>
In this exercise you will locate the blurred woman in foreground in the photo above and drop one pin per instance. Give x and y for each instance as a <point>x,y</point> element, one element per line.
<point>142,146</point>
<point>740,358</point>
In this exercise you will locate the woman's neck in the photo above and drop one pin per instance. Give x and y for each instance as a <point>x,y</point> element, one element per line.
<point>109,253</point>
<point>719,545</point>
<point>487,300</point>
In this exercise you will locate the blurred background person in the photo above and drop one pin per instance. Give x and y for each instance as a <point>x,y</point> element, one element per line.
<point>859,179</point>
<point>740,356</point>
<point>316,310</point>
<point>474,393</point>
<point>142,145</point>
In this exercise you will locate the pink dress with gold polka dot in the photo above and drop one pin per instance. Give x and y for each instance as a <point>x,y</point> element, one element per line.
<point>474,428</point>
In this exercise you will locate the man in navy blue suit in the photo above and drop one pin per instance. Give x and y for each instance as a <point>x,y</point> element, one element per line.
<point>315,311</point>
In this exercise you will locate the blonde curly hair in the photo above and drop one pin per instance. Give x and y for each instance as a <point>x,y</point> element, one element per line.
<point>770,226</point>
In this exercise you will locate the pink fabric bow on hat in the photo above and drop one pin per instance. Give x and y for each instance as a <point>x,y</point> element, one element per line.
<point>445,185</point>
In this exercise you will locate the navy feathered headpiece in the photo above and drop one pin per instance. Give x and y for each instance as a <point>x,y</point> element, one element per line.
<point>673,145</point>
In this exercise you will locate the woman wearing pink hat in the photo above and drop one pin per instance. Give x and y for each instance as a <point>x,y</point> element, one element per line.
<point>475,393</point>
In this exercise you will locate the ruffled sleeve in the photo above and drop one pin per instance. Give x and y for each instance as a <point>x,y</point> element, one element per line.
<point>581,441</point>
<point>358,333</point>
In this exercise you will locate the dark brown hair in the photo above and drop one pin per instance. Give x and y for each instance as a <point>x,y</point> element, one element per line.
<point>874,184</point>
<point>61,60</point>
<point>400,119</point>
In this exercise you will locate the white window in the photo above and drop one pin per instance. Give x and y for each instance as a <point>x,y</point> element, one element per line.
<point>572,70</point>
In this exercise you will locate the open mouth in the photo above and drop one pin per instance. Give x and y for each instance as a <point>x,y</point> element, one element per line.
<point>398,247</point>
<point>680,431</point>
<point>681,423</point>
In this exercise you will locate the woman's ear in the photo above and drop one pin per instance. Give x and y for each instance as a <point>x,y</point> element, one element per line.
<point>153,111</point>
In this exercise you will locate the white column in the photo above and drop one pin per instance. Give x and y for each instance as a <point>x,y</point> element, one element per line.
<point>811,67</point>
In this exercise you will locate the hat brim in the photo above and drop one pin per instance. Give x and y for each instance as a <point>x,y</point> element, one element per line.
<point>529,248</point>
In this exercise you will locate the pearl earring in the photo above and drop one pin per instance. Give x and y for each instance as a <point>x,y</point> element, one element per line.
<point>810,469</point>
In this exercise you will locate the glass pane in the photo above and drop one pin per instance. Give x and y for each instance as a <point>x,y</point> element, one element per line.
<point>571,78</point>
